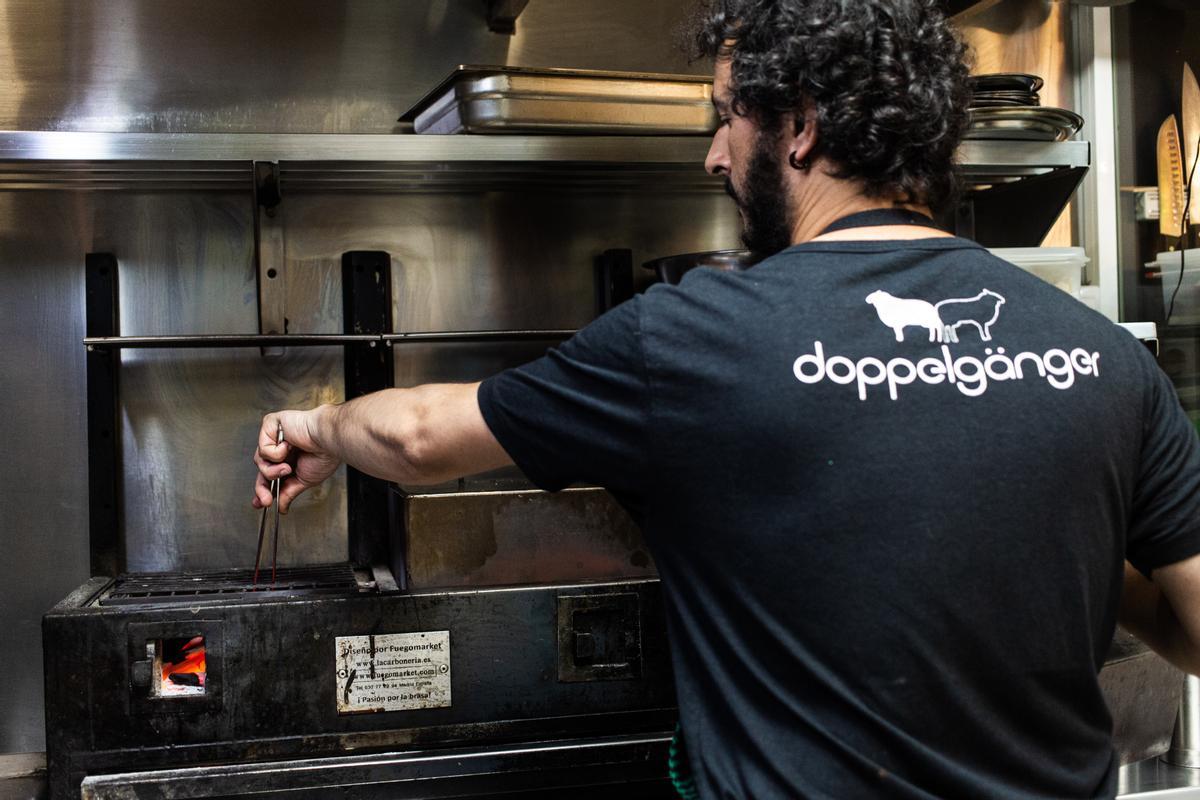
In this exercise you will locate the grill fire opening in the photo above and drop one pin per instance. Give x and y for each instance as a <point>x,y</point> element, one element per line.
<point>180,668</point>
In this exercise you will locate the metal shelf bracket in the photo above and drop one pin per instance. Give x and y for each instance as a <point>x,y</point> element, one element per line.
<point>502,15</point>
<point>269,262</point>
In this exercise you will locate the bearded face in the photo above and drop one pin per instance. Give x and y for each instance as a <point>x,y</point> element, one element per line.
<point>761,199</point>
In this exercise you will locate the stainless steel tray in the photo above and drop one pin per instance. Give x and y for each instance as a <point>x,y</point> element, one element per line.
<point>1040,123</point>
<point>482,99</point>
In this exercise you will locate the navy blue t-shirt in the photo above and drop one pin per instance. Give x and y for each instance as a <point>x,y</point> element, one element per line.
<point>889,487</point>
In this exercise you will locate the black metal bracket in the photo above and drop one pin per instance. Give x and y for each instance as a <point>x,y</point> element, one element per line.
<point>268,247</point>
<point>367,309</point>
<point>502,15</point>
<point>104,442</point>
<point>614,279</point>
<point>1040,198</point>
<point>266,184</point>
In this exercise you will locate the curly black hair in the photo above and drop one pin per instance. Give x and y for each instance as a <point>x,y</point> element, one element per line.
<point>887,80</point>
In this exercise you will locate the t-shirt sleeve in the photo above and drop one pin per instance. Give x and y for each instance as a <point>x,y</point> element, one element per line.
<point>579,413</point>
<point>1165,527</point>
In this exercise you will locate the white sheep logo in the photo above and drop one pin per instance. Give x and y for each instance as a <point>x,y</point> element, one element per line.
<point>943,319</point>
<point>898,314</point>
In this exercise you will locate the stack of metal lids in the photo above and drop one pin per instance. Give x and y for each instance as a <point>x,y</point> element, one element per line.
<point>1007,106</point>
<point>1005,90</point>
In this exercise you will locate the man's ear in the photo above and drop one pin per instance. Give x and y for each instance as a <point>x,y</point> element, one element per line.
<point>800,135</point>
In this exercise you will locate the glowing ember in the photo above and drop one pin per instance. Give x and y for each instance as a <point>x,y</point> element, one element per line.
<point>181,667</point>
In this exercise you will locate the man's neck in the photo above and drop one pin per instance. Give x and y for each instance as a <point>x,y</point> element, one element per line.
<point>821,200</point>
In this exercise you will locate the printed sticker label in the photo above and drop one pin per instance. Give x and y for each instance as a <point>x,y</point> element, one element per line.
<point>392,672</point>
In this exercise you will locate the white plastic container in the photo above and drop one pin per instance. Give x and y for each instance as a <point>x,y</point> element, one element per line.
<point>1185,288</point>
<point>1061,266</point>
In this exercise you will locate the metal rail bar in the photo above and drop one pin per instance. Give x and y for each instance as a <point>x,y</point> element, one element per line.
<point>204,340</point>
<point>477,336</point>
<point>222,340</point>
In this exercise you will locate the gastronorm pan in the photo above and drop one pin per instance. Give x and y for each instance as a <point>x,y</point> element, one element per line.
<point>482,99</point>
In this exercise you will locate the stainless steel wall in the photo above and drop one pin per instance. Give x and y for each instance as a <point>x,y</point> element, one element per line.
<point>333,66</point>
<point>43,472</point>
<point>462,261</point>
<point>472,260</point>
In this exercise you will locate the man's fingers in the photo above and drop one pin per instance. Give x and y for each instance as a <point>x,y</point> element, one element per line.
<point>275,453</point>
<point>268,470</point>
<point>289,490</point>
<point>269,430</point>
<point>267,438</point>
<point>262,492</point>
<point>272,459</point>
<point>271,469</point>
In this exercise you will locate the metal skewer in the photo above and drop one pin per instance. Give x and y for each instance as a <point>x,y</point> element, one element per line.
<point>262,523</point>
<point>262,527</point>
<point>275,505</point>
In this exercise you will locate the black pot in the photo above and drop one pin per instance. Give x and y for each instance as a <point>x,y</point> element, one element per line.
<point>672,268</point>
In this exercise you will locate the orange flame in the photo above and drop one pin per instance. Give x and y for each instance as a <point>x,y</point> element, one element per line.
<point>193,661</point>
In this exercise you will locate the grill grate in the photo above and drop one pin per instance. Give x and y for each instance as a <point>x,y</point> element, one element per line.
<point>227,586</point>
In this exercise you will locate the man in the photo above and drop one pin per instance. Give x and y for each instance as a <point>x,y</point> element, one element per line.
<point>890,482</point>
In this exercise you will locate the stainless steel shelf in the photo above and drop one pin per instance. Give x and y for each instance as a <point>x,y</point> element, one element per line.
<point>398,162</point>
<point>999,158</point>
<point>342,148</point>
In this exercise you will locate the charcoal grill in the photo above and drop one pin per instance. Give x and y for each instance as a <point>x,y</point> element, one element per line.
<point>380,677</point>
<point>535,673</point>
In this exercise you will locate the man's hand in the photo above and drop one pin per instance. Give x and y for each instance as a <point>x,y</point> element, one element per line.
<point>419,436</point>
<point>300,462</point>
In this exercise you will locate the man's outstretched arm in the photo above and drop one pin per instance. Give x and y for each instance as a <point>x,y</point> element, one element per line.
<point>423,435</point>
<point>1165,613</point>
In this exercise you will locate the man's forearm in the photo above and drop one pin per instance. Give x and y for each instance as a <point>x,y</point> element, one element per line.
<point>372,433</point>
<point>423,435</point>
<point>1147,614</point>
